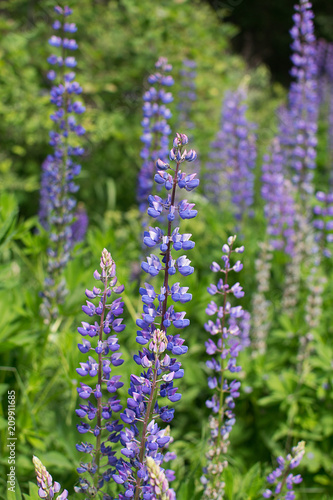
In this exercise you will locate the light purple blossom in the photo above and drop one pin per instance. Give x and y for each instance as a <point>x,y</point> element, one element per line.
<point>229,329</point>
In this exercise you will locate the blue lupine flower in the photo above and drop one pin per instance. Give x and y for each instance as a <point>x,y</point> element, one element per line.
<point>224,347</point>
<point>298,123</point>
<point>159,346</point>
<point>57,203</point>
<point>233,157</point>
<point>156,130</point>
<point>99,407</point>
<point>282,477</point>
<point>187,95</point>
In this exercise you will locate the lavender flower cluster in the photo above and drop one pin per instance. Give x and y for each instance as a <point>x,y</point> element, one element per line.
<point>187,95</point>
<point>233,157</point>
<point>282,476</point>
<point>299,125</point>
<point>279,207</point>
<point>224,352</point>
<point>156,129</point>
<point>60,168</point>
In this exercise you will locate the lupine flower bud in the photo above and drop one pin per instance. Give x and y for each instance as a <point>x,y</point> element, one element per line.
<point>47,488</point>
<point>159,482</point>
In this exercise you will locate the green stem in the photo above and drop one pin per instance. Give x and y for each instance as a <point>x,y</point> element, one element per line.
<point>150,406</point>
<point>221,409</point>
<point>99,400</point>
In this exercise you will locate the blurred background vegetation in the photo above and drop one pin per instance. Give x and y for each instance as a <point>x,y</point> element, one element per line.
<point>263,30</point>
<point>119,43</point>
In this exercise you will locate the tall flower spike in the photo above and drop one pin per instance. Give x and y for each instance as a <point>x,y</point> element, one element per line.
<point>60,168</point>
<point>160,345</point>
<point>224,350</point>
<point>99,397</point>
<point>156,129</point>
<point>233,157</point>
<point>46,487</point>
<point>283,478</point>
<point>299,122</point>
<point>187,95</point>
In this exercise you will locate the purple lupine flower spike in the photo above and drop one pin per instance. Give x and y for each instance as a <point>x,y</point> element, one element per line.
<point>282,477</point>
<point>188,94</point>
<point>298,126</point>
<point>156,129</point>
<point>100,402</point>
<point>224,347</point>
<point>47,489</point>
<point>233,157</point>
<point>59,170</point>
<point>160,344</point>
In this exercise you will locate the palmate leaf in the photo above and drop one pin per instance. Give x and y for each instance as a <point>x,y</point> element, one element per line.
<point>239,486</point>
